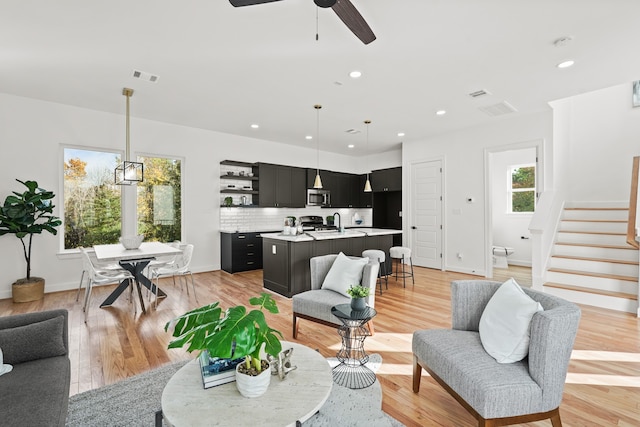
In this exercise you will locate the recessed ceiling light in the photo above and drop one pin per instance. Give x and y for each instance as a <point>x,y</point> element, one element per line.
<point>308,137</point>
<point>566,64</point>
<point>350,145</point>
<point>355,74</point>
<point>441,113</point>
<point>255,126</point>
<point>400,133</point>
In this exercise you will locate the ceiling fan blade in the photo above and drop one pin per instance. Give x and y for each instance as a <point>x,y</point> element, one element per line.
<point>238,3</point>
<point>353,20</point>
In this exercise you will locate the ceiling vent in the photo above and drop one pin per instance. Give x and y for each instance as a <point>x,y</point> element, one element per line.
<point>143,75</point>
<point>479,93</point>
<point>498,109</point>
<point>352,131</point>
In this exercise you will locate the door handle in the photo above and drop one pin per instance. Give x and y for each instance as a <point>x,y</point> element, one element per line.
<point>413,227</point>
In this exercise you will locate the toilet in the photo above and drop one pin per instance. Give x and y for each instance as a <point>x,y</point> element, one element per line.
<point>500,254</point>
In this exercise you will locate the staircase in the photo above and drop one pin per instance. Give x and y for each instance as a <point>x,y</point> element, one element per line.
<point>592,263</point>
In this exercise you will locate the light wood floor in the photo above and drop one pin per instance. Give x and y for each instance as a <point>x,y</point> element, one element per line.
<point>603,385</point>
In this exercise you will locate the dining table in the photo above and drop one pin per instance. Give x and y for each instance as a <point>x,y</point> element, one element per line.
<point>134,261</point>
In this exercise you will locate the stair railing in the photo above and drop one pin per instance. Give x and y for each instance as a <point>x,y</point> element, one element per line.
<point>633,225</point>
<point>543,227</point>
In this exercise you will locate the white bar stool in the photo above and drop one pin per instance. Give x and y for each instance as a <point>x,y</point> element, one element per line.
<point>378,255</point>
<point>402,254</point>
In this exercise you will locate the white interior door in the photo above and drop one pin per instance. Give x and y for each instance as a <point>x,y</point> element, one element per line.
<point>426,215</point>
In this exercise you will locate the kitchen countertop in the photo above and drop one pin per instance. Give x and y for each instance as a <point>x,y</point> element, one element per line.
<point>324,235</point>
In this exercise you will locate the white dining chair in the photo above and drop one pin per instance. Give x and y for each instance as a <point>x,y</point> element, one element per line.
<point>106,267</point>
<point>181,267</point>
<point>100,277</point>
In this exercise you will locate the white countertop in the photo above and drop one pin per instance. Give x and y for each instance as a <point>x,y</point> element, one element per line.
<point>324,235</point>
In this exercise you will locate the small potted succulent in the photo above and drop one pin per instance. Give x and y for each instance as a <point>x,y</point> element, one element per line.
<point>358,294</point>
<point>231,334</point>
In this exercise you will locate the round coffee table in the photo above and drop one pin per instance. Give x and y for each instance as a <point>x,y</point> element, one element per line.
<point>296,398</point>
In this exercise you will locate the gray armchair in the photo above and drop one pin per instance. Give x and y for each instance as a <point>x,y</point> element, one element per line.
<point>315,305</point>
<point>494,393</point>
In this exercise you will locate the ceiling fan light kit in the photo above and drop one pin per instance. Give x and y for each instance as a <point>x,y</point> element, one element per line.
<point>345,10</point>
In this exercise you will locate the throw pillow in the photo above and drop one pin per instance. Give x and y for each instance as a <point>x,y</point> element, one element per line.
<point>505,323</point>
<point>344,273</point>
<point>34,341</point>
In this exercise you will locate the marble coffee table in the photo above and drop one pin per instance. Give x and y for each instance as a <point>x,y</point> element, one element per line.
<point>296,398</point>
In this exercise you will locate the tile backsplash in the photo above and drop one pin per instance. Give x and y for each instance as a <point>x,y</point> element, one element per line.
<point>272,219</point>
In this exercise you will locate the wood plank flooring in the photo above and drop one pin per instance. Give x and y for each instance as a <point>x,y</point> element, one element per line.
<point>603,385</point>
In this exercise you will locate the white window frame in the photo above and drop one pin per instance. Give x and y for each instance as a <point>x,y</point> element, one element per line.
<point>511,190</point>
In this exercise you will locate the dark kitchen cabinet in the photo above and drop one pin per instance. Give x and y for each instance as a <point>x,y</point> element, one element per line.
<point>286,266</point>
<point>386,179</point>
<point>347,190</point>
<point>240,251</point>
<point>282,186</point>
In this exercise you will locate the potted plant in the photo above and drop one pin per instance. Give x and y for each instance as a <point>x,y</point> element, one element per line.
<point>228,201</point>
<point>232,334</point>
<point>358,294</point>
<point>330,219</point>
<point>25,214</point>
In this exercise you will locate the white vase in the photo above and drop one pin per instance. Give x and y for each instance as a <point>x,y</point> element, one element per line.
<point>250,386</point>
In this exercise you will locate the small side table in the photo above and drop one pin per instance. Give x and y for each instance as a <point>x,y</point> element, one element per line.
<point>352,371</point>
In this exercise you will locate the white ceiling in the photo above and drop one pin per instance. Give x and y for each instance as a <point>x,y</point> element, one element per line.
<point>224,68</point>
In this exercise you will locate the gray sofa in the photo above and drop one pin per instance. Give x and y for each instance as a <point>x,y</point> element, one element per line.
<point>315,305</point>
<point>494,393</point>
<point>36,392</point>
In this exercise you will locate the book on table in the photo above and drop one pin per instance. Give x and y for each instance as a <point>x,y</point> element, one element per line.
<point>217,371</point>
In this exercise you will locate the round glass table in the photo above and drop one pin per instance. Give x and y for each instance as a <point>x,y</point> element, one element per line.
<point>352,371</point>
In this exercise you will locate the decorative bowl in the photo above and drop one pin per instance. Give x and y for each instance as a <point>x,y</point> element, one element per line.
<point>229,173</point>
<point>132,242</point>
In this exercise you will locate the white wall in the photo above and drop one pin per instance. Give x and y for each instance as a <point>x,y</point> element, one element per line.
<point>463,153</point>
<point>509,228</point>
<point>32,132</point>
<point>600,134</point>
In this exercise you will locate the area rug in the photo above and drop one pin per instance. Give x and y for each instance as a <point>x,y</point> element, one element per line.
<point>135,401</point>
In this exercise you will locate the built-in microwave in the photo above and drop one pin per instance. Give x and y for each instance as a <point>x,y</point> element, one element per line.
<point>318,197</point>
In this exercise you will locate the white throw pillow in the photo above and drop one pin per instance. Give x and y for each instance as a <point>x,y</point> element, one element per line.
<point>506,321</point>
<point>344,273</point>
<point>4,368</point>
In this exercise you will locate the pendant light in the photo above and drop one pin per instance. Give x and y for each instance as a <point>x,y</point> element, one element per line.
<point>317,183</point>
<point>367,184</point>
<point>128,172</point>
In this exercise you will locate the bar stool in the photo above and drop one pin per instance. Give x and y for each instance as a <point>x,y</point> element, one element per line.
<point>402,254</point>
<point>378,255</point>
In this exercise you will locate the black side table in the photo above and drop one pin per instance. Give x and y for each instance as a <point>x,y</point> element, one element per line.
<point>352,372</point>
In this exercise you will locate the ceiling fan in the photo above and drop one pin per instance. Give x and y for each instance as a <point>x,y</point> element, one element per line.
<point>345,10</point>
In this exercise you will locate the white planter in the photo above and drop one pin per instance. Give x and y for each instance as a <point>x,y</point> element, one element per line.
<point>250,386</point>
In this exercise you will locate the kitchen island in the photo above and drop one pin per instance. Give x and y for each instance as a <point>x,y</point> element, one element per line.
<point>285,258</point>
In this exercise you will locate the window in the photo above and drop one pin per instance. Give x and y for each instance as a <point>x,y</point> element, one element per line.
<point>159,199</point>
<point>523,188</point>
<point>92,207</point>
<point>92,202</point>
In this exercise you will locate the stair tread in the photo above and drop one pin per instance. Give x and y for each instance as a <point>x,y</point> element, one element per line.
<point>592,291</point>
<point>617,221</point>
<point>583,258</point>
<point>592,274</point>
<point>593,245</point>
<point>595,209</point>
<point>607,233</point>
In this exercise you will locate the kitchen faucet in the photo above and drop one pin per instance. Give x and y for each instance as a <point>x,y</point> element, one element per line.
<point>337,214</point>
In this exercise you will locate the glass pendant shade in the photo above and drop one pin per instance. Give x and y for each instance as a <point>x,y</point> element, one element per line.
<point>318,182</point>
<point>128,173</point>
<point>367,186</point>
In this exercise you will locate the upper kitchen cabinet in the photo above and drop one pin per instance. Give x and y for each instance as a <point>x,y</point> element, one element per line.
<point>282,186</point>
<point>386,179</point>
<point>347,190</point>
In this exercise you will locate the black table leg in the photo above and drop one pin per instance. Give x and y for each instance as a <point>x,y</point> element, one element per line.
<point>115,294</point>
<point>136,268</point>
